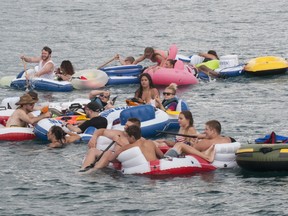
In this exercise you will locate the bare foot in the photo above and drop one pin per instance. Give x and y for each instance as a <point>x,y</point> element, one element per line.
<point>210,153</point>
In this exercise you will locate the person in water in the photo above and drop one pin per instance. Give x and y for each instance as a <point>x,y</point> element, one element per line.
<point>59,138</point>
<point>170,100</point>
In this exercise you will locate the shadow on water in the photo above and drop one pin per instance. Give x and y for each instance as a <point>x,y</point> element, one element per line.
<point>260,174</point>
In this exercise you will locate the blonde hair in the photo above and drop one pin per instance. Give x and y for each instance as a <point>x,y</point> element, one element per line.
<point>172,87</point>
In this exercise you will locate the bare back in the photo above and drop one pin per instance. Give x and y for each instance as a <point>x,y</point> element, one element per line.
<point>148,149</point>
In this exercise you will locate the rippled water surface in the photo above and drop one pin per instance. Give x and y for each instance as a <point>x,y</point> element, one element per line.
<point>89,33</point>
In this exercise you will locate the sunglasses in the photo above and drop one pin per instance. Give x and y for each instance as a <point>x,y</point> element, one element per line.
<point>102,95</point>
<point>167,93</point>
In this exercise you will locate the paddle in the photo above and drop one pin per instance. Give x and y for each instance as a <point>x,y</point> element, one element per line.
<point>106,63</point>
<point>184,135</point>
<point>97,159</point>
<point>26,76</point>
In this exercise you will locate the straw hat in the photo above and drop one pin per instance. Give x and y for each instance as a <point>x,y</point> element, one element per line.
<point>25,99</point>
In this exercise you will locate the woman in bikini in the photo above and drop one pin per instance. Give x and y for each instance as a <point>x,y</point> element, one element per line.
<point>186,123</point>
<point>147,91</point>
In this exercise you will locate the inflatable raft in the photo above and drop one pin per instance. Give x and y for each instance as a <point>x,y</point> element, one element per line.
<point>124,74</point>
<point>151,119</point>
<point>263,157</point>
<point>180,74</point>
<point>266,65</point>
<point>133,162</point>
<point>43,126</point>
<point>16,134</point>
<point>89,79</point>
<point>40,84</point>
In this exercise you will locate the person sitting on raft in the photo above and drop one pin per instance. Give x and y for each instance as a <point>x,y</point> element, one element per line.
<point>22,116</point>
<point>186,123</point>
<point>158,56</point>
<point>170,101</point>
<point>205,146</point>
<point>65,71</point>
<point>147,91</point>
<point>147,147</point>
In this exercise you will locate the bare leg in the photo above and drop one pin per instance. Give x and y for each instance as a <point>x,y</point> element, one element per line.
<point>90,157</point>
<point>182,147</point>
<point>210,152</point>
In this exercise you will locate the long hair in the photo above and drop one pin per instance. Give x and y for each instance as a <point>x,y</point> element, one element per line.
<point>67,67</point>
<point>59,133</point>
<point>139,91</point>
<point>188,115</point>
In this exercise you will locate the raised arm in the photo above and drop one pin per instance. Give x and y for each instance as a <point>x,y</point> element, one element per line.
<point>140,59</point>
<point>30,59</point>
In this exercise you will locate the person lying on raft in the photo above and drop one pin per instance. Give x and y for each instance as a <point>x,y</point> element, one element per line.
<point>158,56</point>
<point>102,97</point>
<point>22,116</point>
<point>204,147</point>
<point>170,101</point>
<point>186,123</point>
<point>93,152</point>
<point>147,147</point>
<point>59,138</point>
<point>126,61</point>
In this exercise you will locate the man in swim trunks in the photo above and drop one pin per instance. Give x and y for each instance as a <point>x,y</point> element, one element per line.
<point>21,116</point>
<point>46,65</point>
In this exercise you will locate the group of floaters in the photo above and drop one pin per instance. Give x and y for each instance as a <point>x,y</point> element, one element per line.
<point>170,67</point>
<point>61,132</point>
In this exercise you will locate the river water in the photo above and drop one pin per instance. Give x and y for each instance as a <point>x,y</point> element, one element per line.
<point>89,33</point>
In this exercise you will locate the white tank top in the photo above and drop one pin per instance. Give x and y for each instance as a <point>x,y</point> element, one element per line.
<point>49,75</point>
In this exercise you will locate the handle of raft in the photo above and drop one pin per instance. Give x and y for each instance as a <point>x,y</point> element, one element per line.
<point>177,134</point>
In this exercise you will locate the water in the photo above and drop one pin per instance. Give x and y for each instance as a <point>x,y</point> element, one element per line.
<point>89,33</point>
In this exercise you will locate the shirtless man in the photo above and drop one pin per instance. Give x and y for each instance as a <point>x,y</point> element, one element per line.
<point>93,152</point>
<point>133,136</point>
<point>205,147</point>
<point>21,116</point>
<point>46,65</point>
